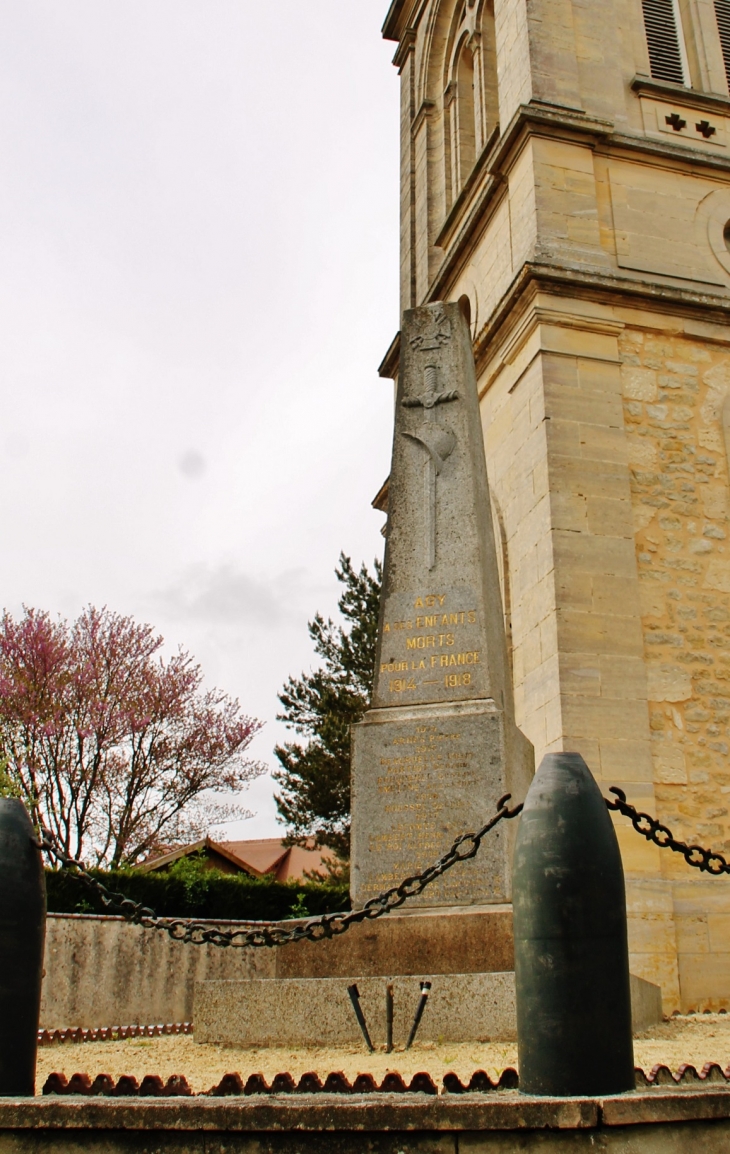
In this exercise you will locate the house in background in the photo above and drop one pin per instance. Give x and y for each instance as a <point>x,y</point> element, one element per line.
<point>256,858</point>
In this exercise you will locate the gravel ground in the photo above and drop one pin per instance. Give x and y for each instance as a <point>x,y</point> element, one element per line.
<point>695,1039</point>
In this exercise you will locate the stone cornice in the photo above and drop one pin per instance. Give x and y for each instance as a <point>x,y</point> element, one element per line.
<point>380,500</point>
<point>677,93</point>
<point>395,20</point>
<point>404,49</point>
<point>388,367</point>
<point>675,150</point>
<point>598,286</point>
<point>594,285</point>
<point>547,119</point>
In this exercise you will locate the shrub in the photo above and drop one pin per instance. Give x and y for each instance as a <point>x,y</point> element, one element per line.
<point>188,890</point>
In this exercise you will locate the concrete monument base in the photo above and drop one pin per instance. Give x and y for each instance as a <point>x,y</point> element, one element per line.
<point>317,1011</point>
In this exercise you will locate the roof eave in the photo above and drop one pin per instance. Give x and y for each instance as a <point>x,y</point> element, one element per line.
<point>395,20</point>
<point>173,856</point>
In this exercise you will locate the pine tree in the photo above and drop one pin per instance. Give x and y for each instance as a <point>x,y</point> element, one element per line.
<point>321,706</point>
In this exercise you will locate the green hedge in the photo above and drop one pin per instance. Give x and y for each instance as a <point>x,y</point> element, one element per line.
<point>198,893</point>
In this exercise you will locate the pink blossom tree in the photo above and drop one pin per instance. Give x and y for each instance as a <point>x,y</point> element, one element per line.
<point>118,749</point>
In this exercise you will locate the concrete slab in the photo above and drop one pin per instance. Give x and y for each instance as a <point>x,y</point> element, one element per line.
<point>305,1011</point>
<point>646,1004</point>
<point>301,1011</point>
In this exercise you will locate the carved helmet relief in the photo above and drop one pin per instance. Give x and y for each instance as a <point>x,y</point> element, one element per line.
<point>433,329</point>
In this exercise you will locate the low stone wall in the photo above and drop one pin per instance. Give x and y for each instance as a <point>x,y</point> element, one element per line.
<point>102,971</point>
<point>650,1122</point>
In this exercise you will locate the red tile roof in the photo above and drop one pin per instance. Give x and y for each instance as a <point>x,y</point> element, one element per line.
<point>257,857</point>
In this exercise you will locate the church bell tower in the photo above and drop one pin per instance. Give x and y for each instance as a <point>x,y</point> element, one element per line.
<point>565,167</point>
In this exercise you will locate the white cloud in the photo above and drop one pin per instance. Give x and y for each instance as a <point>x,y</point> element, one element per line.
<point>226,595</point>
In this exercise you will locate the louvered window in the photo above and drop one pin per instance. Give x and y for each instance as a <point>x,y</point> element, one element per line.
<point>663,37</point>
<point>722,13</point>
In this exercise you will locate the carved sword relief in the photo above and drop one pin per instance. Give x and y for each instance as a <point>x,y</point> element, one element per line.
<point>439,444</point>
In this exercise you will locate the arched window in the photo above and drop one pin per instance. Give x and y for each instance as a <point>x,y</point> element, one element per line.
<point>465,133</point>
<point>667,53</point>
<point>488,70</point>
<point>470,98</point>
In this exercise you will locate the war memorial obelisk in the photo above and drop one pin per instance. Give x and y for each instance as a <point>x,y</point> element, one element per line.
<point>431,758</point>
<point>439,745</point>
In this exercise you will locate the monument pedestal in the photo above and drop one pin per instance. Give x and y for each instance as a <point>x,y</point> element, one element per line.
<point>458,940</point>
<point>315,1012</point>
<point>308,1012</point>
<point>422,776</point>
<point>301,999</point>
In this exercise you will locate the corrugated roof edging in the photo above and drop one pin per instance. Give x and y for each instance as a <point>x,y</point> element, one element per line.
<point>152,1085</point>
<point>111,1033</point>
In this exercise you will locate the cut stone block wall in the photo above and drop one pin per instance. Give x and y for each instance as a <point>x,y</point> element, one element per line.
<point>675,396</point>
<point>674,390</point>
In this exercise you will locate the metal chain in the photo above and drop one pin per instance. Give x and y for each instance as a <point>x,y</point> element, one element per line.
<point>275,933</point>
<point>330,925</point>
<point>706,860</point>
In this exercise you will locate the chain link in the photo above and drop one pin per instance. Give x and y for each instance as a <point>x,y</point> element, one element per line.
<point>331,925</point>
<point>706,860</point>
<point>275,933</point>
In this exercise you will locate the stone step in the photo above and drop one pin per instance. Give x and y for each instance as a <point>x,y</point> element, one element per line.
<point>318,1012</point>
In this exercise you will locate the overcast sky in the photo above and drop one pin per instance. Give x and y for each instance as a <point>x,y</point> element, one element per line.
<point>198,279</point>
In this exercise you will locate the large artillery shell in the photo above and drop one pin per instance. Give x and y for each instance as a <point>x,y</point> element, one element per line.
<point>571,954</point>
<point>22,931</point>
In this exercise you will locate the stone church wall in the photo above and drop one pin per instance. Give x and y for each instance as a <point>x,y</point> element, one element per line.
<point>675,392</point>
<point>590,239</point>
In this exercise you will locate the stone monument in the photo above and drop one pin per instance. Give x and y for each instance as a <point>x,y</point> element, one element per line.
<point>431,758</point>
<point>439,745</point>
